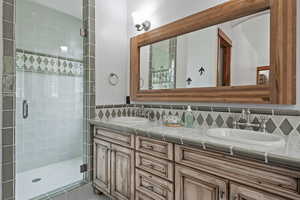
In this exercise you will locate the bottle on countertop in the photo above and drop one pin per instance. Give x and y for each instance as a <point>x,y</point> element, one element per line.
<point>189,118</point>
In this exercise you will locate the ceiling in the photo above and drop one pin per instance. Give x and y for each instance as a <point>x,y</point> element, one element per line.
<point>70,7</point>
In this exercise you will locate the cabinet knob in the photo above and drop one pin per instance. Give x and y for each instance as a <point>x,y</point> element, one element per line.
<point>149,147</point>
<point>150,187</point>
<point>150,166</point>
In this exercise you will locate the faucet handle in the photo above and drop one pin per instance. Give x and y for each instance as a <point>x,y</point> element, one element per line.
<point>244,114</point>
<point>263,123</point>
<point>246,111</point>
<point>263,118</point>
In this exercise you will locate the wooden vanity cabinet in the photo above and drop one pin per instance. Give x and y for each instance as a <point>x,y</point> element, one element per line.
<point>139,168</point>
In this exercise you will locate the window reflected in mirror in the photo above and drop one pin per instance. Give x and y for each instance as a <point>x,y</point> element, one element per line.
<point>235,53</point>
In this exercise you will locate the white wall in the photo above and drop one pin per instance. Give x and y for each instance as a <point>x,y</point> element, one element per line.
<point>145,68</point>
<point>181,61</point>
<point>162,12</point>
<point>250,48</point>
<point>112,48</point>
<point>201,51</point>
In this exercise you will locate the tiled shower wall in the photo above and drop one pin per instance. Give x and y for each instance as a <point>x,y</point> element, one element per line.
<point>8,74</point>
<point>45,29</point>
<point>53,130</point>
<point>55,135</point>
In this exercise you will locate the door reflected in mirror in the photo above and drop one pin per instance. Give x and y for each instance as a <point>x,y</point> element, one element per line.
<point>235,53</point>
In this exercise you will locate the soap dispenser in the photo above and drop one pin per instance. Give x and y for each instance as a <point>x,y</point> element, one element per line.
<point>189,118</point>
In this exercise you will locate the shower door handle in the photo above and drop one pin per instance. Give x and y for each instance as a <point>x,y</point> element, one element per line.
<point>25,109</point>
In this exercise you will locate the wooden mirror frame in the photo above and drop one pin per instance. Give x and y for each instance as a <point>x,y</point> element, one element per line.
<point>282,87</point>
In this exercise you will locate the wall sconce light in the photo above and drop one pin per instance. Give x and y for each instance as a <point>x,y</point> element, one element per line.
<point>146,25</point>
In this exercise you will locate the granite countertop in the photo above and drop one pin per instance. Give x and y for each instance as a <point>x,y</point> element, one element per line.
<point>287,157</point>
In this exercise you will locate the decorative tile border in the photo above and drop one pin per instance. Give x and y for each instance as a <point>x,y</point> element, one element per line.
<point>29,61</point>
<point>277,122</point>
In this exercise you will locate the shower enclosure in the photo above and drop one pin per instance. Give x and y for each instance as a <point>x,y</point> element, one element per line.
<point>49,96</point>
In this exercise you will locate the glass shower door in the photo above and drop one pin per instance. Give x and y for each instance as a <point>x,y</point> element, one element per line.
<point>49,111</point>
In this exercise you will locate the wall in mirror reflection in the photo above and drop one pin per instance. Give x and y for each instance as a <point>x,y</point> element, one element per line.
<point>235,53</point>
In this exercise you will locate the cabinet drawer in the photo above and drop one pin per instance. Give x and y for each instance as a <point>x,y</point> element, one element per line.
<point>153,186</point>
<point>121,138</point>
<point>157,166</point>
<point>272,179</point>
<point>142,196</point>
<point>240,192</point>
<point>154,147</point>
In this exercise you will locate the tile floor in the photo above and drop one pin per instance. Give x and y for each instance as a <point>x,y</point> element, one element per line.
<point>52,177</point>
<point>84,193</point>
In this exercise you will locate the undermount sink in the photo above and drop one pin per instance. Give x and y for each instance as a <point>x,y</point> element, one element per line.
<point>253,138</point>
<point>129,120</point>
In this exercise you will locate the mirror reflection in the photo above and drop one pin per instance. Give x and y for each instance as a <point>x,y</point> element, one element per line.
<point>235,53</point>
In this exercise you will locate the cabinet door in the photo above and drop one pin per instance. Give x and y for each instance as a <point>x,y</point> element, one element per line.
<point>239,192</point>
<point>195,185</point>
<point>102,156</point>
<point>122,177</point>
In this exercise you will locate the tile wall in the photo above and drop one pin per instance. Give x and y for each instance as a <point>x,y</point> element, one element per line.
<point>89,83</point>
<point>8,99</point>
<point>282,122</point>
<point>60,88</point>
<point>52,132</point>
<point>29,61</point>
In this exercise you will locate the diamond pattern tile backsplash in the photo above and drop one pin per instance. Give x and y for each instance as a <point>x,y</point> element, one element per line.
<point>205,117</point>
<point>42,63</point>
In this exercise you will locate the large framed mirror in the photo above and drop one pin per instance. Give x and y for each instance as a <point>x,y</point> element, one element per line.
<point>240,51</point>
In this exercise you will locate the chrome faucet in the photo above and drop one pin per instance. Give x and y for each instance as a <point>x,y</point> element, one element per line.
<point>246,121</point>
<point>141,111</point>
<point>246,115</point>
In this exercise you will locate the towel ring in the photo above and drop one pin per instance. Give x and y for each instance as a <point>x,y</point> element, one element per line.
<point>113,79</point>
